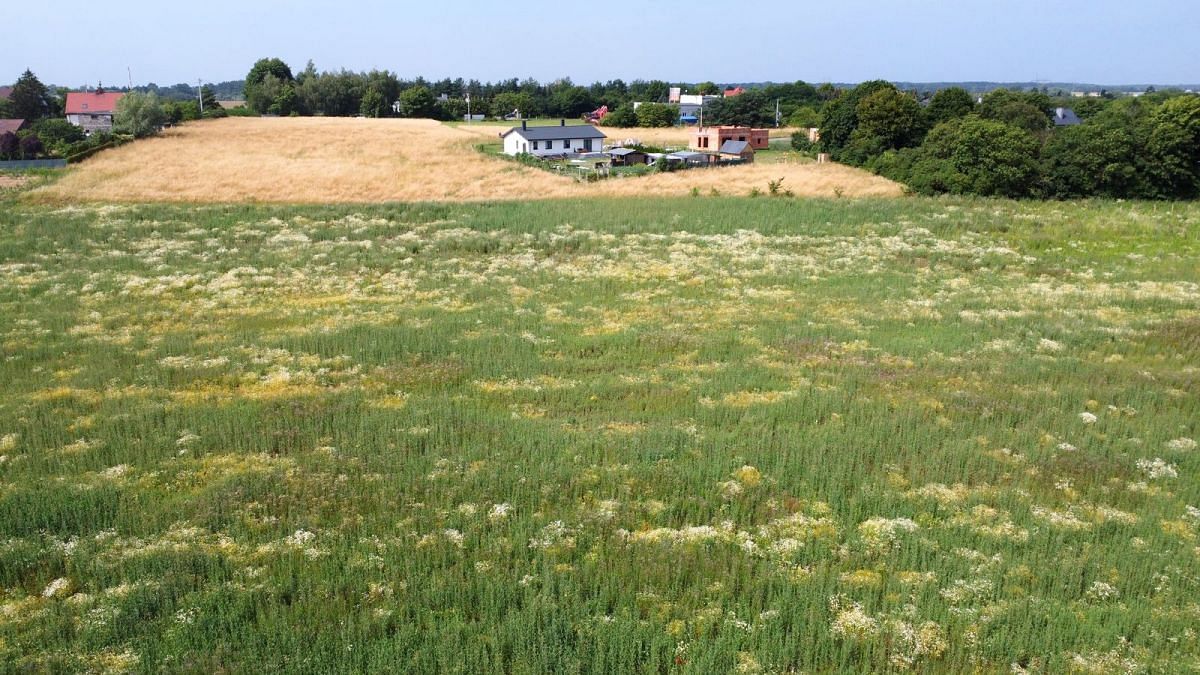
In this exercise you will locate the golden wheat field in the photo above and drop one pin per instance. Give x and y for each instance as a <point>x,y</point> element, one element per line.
<point>309,160</point>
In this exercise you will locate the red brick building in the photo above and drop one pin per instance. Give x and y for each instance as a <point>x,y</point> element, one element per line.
<point>710,139</point>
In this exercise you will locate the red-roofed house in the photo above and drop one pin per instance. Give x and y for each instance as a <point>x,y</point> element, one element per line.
<point>736,91</point>
<point>92,110</point>
<point>11,125</point>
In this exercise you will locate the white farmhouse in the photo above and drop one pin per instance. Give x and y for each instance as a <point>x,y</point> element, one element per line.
<point>552,140</point>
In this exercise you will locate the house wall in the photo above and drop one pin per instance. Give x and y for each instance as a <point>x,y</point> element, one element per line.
<point>515,144</point>
<point>90,122</point>
<point>711,138</point>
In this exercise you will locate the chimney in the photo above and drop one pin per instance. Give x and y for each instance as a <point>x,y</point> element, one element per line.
<point>524,125</point>
<point>562,123</point>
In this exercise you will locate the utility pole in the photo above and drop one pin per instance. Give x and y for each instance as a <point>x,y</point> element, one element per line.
<point>200,95</point>
<point>469,107</point>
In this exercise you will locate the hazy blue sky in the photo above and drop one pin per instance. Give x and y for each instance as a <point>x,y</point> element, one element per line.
<point>1099,41</point>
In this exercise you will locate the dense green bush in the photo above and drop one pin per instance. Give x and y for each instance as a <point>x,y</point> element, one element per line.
<point>1146,147</point>
<point>657,115</point>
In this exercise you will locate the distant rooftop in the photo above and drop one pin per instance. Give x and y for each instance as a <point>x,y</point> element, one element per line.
<point>1065,117</point>
<point>90,102</point>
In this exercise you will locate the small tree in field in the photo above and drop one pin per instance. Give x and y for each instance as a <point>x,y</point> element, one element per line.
<point>138,114</point>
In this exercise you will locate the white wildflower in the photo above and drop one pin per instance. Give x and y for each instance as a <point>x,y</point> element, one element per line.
<point>499,511</point>
<point>1157,468</point>
<point>1178,444</point>
<point>114,472</point>
<point>1191,513</point>
<point>880,532</point>
<point>854,624</point>
<point>300,537</point>
<point>1102,591</point>
<point>187,616</point>
<point>58,588</point>
<point>1087,418</point>
<point>730,489</point>
<point>554,535</point>
<point>1048,345</point>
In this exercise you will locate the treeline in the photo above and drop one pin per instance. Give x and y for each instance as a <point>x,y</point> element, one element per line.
<point>231,90</point>
<point>271,87</point>
<point>1008,145</point>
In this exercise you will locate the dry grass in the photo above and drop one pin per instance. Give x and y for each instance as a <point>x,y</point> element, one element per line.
<point>320,160</point>
<point>9,182</point>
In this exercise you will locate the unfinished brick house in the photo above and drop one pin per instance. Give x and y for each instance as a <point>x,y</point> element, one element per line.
<point>710,139</point>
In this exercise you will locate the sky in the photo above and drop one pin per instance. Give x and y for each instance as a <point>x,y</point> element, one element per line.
<point>1098,41</point>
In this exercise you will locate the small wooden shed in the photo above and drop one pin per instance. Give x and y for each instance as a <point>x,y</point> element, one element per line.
<point>737,150</point>
<point>626,156</point>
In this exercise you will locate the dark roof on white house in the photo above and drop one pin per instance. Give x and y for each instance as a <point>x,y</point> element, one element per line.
<point>734,147</point>
<point>1065,117</point>
<point>556,132</point>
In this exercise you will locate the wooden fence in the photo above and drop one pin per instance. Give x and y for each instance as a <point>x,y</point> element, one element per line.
<point>26,164</point>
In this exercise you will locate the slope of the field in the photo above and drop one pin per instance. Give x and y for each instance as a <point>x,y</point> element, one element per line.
<point>672,436</point>
<point>357,160</point>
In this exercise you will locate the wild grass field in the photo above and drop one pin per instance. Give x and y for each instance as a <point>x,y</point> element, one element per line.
<point>342,160</point>
<point>644,435</point>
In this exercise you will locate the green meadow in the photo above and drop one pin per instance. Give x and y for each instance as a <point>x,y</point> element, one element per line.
<point>695,435</point>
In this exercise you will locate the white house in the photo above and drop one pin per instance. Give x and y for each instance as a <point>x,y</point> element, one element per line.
<point>552,140</point>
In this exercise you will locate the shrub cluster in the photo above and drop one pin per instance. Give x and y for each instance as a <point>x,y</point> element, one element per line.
<point>1007,145</point>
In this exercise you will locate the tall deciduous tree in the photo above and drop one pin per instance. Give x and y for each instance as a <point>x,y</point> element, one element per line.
<point>839,116</point>
<point>983,157</point>
<point>657,115</point>
<point>1174,144</point>
<point>1092,159</point>
<point>138,114</point>
<point>417,102</point>
<point>31,147</point>
<point>948,104</point>
<point>372,104</point>
<point>270,87</point>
